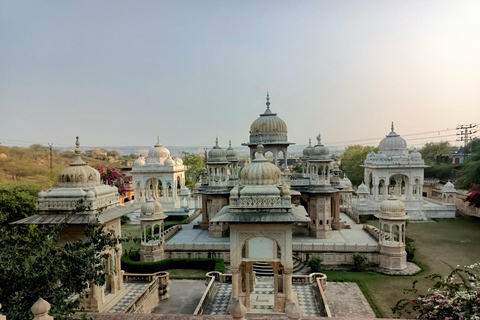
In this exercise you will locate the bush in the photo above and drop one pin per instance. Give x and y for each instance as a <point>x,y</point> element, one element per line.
<point>131,263</point>
<point>315,264</point>
<point>124,219</point>
<point>410,248</point>
<point>360,262</point>
<point>365,217</point>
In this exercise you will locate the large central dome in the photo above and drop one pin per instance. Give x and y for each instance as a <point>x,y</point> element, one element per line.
<point>393,144</point>
<point>270,127</point>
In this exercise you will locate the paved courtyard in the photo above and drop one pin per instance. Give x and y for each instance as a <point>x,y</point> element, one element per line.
<point>355,235</point>
<point>345,299</point>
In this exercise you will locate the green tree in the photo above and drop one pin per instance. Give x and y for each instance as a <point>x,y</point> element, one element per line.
<point>34,264</point>
<point>470,170</point>
<point>194,163</point>
<point>113,153</point>
<point>433,149</point>
<point>352,160</point>
<point>441,171</point>
<point>297,168</point>
<point>16,203</point>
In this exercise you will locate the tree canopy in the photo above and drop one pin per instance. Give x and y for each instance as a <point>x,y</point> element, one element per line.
<point>34,265</point>
<point>433,149</point>
<point>470,170</point>
<point>194,163</point>
<point>352,160</point>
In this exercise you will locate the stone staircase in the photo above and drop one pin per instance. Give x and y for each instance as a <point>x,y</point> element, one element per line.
<point>263,269</point>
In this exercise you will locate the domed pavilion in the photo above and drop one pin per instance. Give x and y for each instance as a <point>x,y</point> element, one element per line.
<point>272,131</point>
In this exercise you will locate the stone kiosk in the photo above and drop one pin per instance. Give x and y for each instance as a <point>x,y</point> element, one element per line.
<point>261,216</point>
<point>152,245</point>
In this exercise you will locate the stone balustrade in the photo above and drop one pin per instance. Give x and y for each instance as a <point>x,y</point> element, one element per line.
<point>334,247</point>
<point>150,296</point>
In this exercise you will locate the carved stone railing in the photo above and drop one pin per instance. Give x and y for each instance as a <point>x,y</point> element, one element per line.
<point>157,290</point>
<point>210,283</point>
<point>349,212</point>
<point>335,247</point>
<point>198,246</point>
<point>375,232</point>
<point>167,234</point>
<point>434,201</point>
<point>323,305</point>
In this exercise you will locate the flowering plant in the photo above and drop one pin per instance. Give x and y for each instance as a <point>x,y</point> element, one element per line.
<point>455,296</point>
<point>113,177</point>
<point>474,198</point>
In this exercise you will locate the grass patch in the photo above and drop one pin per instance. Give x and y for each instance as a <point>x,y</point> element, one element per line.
<point>190,274</point>
<point>439,244</point>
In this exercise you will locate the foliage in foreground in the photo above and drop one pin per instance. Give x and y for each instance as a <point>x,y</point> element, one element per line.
<point>473,198</point>
<point>455,296</point>
<point>112,176</point>
<point>315,264</point>
<point>36,266</point>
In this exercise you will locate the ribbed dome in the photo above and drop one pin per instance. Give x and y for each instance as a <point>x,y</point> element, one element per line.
<point>79,174</point>
<point>308,150</point>
<point>392,207</point>
<point>151,207</point>
<point>158,154</point>
<point>362,189</point>
<point>178,160</point>
<point>268,128</point>
<point>371,155</point>
<point>320,150</point>
<point>231,153</point>
<point>140,162</point>
<point>217,154</point>
<point>261,171</point>
<point>393,143</point>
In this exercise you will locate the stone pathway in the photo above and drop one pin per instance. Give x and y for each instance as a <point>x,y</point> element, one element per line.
<point>345,299</point>
<point>184,297</point>
<point>262,298</point>
<point>132,290</point>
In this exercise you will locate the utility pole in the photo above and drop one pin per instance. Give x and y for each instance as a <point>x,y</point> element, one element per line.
<point>51,160</point>
<point>465,132</point>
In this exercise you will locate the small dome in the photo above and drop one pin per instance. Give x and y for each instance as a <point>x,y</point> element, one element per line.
<point>285,190</point>
<point>449,187</point>
<point>231,153</point>
<point>184,191</point>
<point>346,182</point>
<point>363,189</point>
<point>261,171</point>
<point>234,191</point>
<point>371,155</point>
<point>169,162</point>
<point>393,142</point>
<point>381,156</point>
<point>178,161</point>
<point>151,207</point>
<point>415,155</point>
<point>158,154</point>
<point>392,207</point>
<point>268,128</point>
<point>320,150</point>
<point>140,162</point>
<point>217,154</point>
<point>79,174</point>
<point>309,149</point>
<point>42,194</point>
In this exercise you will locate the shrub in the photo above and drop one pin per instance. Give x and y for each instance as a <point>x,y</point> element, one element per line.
<point>365,217</point>
<point>410,248</point>
<point>131,263</point>
<point>360,262</point>
<point>315,264</point>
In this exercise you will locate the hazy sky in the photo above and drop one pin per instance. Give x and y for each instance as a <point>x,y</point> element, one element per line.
<point>122,72</point>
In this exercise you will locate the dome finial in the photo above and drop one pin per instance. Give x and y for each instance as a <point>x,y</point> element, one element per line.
<point>260,144</point>
<point>158,139</point>
<point>268,101</point>
<point>392,126</point>
<point>77,149</point>
<point>216,142</point>
<point>230,143</point>
<point>319,138</point>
